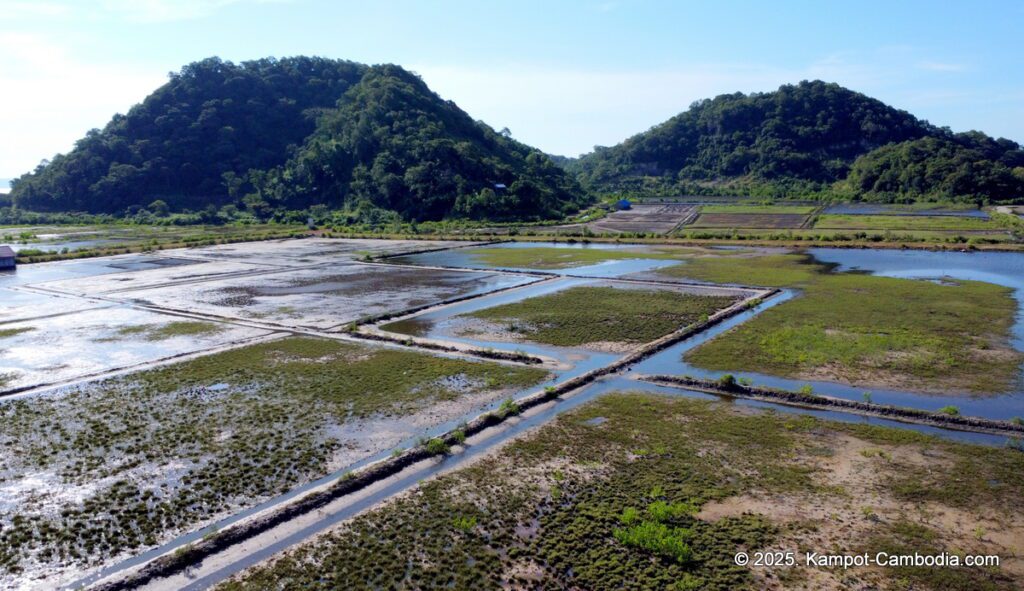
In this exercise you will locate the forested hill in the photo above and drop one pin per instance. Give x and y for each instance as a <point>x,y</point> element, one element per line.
<point>804,139</point>
<point>211,118</point>
<point>395,145</point>
<point>274,135</point>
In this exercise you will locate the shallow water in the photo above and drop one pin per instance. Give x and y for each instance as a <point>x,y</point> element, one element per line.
<point>464,258</point>
<point>1002,268</point>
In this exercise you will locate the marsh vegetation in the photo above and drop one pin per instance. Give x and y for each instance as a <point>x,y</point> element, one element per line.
<point>641,491</point>
<point>129,461</point>
<point>602,314</point>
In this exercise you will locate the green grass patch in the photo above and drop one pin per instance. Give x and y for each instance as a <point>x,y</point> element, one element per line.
<point>898,223</point>
<point>544,257</point>
<point>582,315</point>
<point>774,270</point>
<point>878,330</point>
<point>6,333</point>
<point>659,539</point>
<point>162,332</point>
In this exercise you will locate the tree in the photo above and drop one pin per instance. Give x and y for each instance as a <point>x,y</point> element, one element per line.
<point>159,208</point>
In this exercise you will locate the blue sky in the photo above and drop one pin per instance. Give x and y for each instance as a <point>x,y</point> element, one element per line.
<point>563,76</point>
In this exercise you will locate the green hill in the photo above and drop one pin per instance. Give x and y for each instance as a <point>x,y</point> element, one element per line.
<point>800,139</point>
<point>274,135</point>
<point>395,145</point>
<point>212,118</point>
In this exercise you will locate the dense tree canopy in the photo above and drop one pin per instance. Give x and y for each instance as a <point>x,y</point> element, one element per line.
<point>811,131</point>
<point>960,166</point>
<point>395,145</point>
<point>292,133</point>
<point>212,118</point>
<point>270,137</point>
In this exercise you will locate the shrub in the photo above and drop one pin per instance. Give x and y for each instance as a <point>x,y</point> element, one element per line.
<point>949,410</point>
<point>508,407</point>
<point>727,381</point>
<point>464,524</point>
<point>658,538</point>
<point>437,447</point>
<point>662,511</point>
<point>629,515</point>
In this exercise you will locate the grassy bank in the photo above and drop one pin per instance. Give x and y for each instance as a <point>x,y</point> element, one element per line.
<point>770,270</point>
<point>865,330</point>
<point>542,257</point>
<point>642,492</point>
<point>154,453</point>
<point>583,315</point>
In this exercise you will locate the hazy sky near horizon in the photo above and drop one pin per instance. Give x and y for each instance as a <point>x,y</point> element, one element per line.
<point>563,76</point>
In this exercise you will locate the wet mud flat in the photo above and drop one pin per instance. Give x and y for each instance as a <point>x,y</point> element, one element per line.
<point>291,252</point>
<point>16,304</point>
<point>95,472</point>
<point>143,276</point>
<point>64,347</point>
<point>324,297</point>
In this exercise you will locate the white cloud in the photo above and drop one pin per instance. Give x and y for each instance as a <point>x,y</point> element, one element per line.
<point>49,99</point>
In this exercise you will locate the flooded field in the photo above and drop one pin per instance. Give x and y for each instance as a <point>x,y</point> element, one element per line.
<point>178,375</point>
<point>778,267</point>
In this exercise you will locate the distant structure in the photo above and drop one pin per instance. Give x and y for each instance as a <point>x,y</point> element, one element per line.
<point>7,258</point>
<point>623,204</point>
<point>500,187</point>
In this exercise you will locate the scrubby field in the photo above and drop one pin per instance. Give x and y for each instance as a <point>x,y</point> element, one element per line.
<point>637,491</point>
<point>770,270</point>
<point>934,336</point>
<point>550,257</point>
<point>125,463</point>
<point>582,316</point>
<point>903,222</point>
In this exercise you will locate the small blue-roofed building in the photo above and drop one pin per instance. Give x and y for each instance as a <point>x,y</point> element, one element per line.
<point>7,258</point>
<point>623,204</point>
<point>500,187</point>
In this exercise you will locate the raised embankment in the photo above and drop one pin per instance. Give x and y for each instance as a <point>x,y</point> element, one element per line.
<point>182,558</point>
<point>787,397</point>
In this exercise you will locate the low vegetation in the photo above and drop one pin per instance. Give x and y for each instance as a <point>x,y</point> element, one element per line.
<point>652,497</point>
<point>868,330</point>
<point>143,456</point>
<point>772,270</point>
<point>162,332</point>
<point>541,257</point>
<point>904,223</point>
<point>582,315</point>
